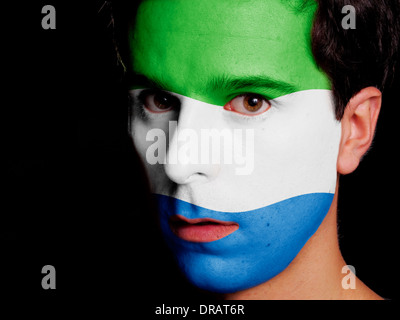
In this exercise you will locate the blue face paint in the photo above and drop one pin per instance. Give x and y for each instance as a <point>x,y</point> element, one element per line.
<point>267,240</point>
<point>280,202</point>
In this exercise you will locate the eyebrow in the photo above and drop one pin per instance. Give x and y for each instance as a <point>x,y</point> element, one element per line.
<point>220,83</point>
<point>140,80</point>
<point>250,82</point>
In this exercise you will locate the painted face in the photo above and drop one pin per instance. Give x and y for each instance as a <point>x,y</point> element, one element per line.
<point>237,129</point>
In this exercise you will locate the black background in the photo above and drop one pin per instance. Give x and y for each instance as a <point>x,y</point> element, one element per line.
<point>75,196</point>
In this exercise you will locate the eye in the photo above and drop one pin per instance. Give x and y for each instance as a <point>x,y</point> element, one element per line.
<point>159,102</point>
<point>248,104</point>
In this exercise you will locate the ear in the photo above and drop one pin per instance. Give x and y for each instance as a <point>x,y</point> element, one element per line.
<point>358,128</point>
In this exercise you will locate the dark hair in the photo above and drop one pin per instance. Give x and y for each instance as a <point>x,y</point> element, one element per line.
<point>352,58</point>
<point>356,58</point>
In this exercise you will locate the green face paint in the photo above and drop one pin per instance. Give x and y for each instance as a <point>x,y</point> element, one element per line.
<point>214,50</point>
<point>206,52</point>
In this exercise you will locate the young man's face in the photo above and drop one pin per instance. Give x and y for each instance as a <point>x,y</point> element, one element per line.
<point>237,130</point>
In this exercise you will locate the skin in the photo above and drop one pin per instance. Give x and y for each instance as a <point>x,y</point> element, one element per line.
<point>306,277</point>
<point>290,189</point>
<point>234,51</point>
<point>320,279</point>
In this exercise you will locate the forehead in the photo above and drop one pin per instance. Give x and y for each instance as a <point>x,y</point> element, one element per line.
<point>186,44</point>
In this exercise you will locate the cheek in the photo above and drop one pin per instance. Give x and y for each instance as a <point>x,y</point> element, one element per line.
<point>146,138</point>
<point>295,153</point>
<point>289,147</point>
<point>139,132</point>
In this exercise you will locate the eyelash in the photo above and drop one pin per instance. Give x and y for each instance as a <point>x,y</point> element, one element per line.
<point>247,118</point>
<point>139,102</point>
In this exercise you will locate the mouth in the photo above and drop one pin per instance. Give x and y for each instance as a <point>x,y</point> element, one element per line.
<point>201,230</point>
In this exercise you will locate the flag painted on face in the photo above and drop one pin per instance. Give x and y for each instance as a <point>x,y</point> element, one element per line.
<point>235,67</point>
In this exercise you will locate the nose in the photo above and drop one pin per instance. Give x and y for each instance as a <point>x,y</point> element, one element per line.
<point>186,159</point>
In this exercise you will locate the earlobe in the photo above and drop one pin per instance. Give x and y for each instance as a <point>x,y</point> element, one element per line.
<point>358,128</point>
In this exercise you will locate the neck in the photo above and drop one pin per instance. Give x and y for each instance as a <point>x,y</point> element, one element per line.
<point>315,273</point>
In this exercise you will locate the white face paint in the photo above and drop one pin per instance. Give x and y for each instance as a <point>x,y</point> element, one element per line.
<point>234,224</point>
<point>295,148</point>
<point>231,231</point>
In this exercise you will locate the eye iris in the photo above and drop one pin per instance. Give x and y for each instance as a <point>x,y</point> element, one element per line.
<point>162,101</point>
<point>252,103</point>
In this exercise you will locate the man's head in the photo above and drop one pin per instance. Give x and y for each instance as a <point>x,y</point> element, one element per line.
<point>245,70</point>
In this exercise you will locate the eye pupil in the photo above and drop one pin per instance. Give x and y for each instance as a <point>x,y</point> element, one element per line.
<point>252,102</point>
<point>163,101</point>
